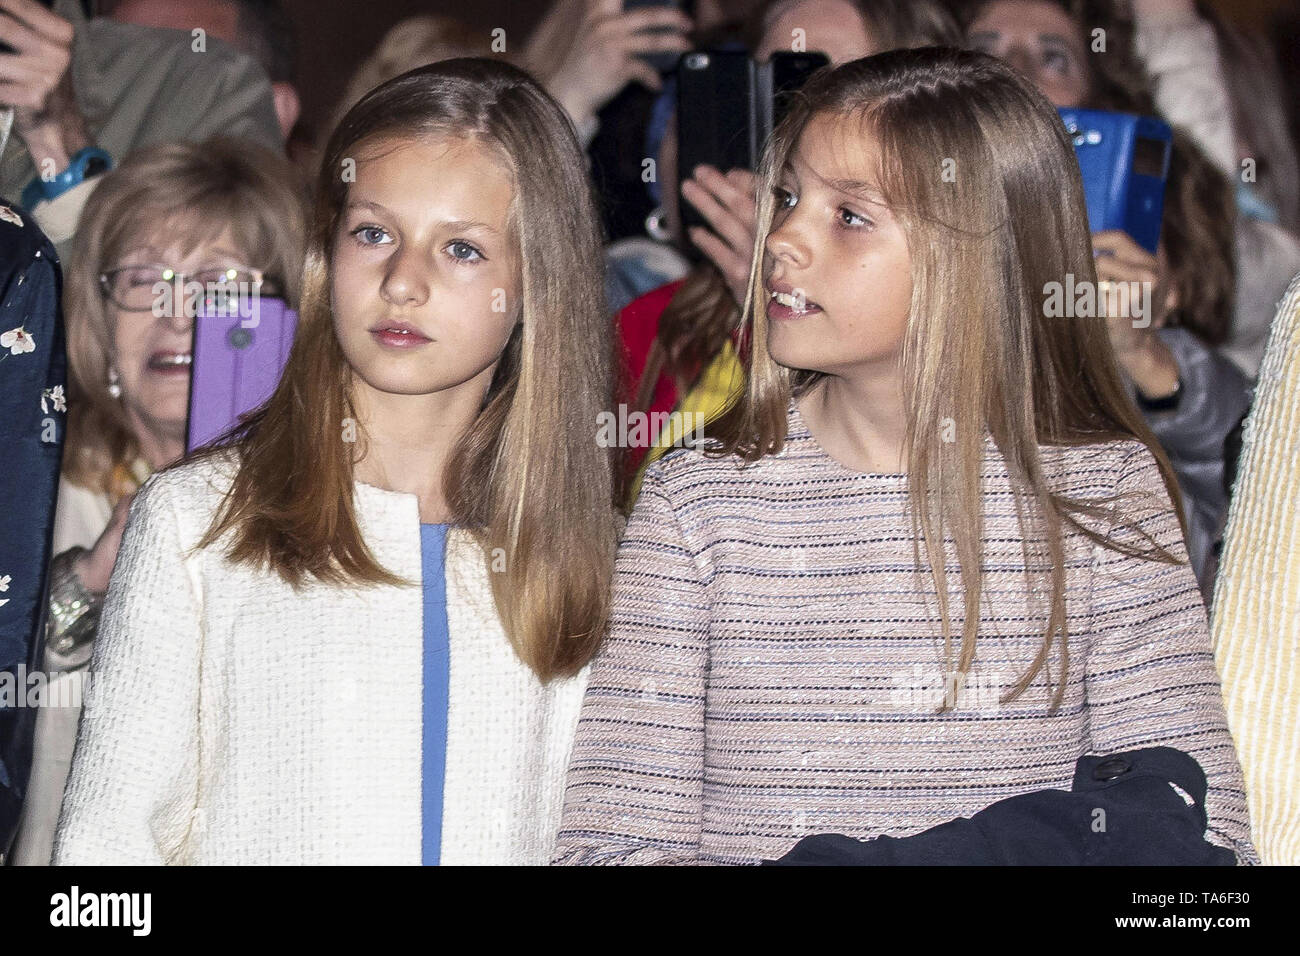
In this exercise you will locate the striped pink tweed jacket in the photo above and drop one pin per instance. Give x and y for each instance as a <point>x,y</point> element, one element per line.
<point>774,664</point>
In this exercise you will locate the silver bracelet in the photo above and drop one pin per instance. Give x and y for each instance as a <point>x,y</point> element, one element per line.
<point>73,615</point>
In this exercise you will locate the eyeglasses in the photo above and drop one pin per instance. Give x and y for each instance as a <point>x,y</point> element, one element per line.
<point>155,288</point>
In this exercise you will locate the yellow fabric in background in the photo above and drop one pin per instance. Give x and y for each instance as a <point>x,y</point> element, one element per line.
<point>723,376</point>
<point>1255,623</point>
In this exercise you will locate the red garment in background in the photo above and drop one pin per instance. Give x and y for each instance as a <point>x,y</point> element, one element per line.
<point>638,324</point>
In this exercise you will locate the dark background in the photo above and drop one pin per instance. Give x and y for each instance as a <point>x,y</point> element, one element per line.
<point>335,35</point>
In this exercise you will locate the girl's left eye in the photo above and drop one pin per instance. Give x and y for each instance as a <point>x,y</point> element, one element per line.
<point>852,220</point>
<point>464,251</point>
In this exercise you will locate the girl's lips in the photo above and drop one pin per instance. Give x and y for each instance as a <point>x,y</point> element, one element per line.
<point>778,311</point>
<point>397,338</point>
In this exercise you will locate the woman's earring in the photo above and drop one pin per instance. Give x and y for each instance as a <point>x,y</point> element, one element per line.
<point>114,385</point>
<point>656,225</point>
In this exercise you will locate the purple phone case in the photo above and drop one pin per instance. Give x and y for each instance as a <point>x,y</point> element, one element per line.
<point>235,368</point>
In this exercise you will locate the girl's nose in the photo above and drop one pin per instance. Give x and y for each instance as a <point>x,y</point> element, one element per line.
<point>407,280</point>
<point>787,244</point>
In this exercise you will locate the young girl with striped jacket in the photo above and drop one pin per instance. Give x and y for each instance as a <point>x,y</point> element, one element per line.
<point>931,558</point>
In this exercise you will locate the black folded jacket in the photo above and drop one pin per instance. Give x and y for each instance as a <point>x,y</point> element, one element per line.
<point>1121,811</point>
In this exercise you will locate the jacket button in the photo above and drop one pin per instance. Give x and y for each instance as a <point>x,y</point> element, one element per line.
<point>1110,769</point>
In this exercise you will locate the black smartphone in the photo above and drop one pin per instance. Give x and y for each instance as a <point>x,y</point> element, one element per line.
<point>789,72</point>
<point>666,61</point>
<point>714,122</point>
<point>727,107</point>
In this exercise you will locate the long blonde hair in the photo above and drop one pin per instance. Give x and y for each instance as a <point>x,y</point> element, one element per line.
<point>180,189</point>
<point>527,478</point>
<point>701,317</point>
<point>980,354</point>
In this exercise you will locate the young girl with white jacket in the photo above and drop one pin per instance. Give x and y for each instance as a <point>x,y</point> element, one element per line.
<point>355,629</point>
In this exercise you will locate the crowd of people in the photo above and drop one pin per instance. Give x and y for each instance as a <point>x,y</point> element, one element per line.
<point>934,551</point>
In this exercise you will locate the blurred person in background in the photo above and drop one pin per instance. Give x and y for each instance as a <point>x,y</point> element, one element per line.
<point>410,43</point>
<point>1218,82</point>
<point>583,52</point>
<point>1191,396</point>
<point>259,28</point>
<point>1266,174</point>
<point>87,90</point>
<point>586,52</point>
<point>197,210</point>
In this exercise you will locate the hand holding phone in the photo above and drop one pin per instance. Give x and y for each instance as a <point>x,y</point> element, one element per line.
<point>33,32</point>
<point>610,47</point>
<point>728,204</point>
<point>36,80</point>
<point>1128,273</point>
<point>658,31</point>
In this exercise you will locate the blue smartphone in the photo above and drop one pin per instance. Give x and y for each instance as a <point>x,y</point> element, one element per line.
<point>1124,160</point>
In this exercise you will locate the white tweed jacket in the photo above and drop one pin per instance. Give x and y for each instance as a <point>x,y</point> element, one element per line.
<point>231,720</point>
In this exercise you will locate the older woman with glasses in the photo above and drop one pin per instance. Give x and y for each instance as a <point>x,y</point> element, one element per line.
<point>174,227</point>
